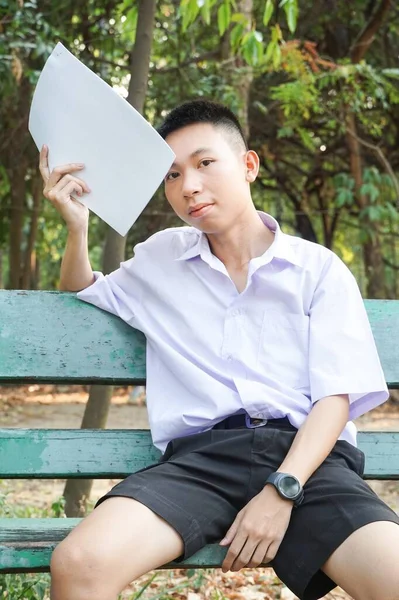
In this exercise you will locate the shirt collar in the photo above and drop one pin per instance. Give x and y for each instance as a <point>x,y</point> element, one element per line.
<point>280,248</point>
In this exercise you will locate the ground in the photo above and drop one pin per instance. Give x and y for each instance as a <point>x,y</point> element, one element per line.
<point>49,406</point>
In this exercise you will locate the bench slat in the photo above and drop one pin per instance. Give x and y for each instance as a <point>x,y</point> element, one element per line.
<point>27,544</point>
<point>54,337</point>
<point>115,453</point>
<point>74,453</point>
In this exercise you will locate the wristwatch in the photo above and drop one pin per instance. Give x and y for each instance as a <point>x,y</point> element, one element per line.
<point>287,486</point>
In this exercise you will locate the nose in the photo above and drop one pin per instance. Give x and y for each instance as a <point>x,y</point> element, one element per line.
<point>191,184</point>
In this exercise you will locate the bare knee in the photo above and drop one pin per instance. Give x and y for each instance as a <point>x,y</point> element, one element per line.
<point>76,574</point>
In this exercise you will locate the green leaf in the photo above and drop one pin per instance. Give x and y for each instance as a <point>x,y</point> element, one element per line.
<point>239,18</point>
<point>270,51</point>
<point>370,190</point>
<point>267,15</point>
<point>130,24</point>
<point>291,13</point>
<point>344,197</point>
<point>224,16</point>
<point>372,175</point>
<point>307,139</point>
<point>374,213</point>
<point>206,12</point>
<point>277,57</point>
<point>285,132</point>
<point>236,36</point>
<point>190,10</point>
<point>392,211</point>
<point>252,49</point>
<point>191,572</point>
<point>394,73</point>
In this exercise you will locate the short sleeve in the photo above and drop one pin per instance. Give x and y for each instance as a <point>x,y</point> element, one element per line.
<point>116,293</point>
<point>343,357</point>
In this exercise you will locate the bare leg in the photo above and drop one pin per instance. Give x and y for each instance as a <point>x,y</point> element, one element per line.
<point>366,565</point>
<point>119,541</point>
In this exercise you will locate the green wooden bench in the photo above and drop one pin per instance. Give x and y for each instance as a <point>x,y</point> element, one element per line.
<point>54,337</point>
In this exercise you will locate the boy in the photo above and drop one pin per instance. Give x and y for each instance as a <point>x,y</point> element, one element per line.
<point>259,355</point>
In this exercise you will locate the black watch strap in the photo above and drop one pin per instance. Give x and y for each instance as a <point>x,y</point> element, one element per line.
<point>275,478</point>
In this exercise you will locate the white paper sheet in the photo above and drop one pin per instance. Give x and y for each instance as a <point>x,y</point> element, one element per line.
<point>82,119</point>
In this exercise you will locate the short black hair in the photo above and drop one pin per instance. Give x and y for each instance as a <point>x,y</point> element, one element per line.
<point>204,111</point>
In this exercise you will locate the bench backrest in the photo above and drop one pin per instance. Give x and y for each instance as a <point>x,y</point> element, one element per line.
<point>54,337</point>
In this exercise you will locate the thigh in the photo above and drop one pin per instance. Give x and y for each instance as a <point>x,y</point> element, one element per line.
<point>337,503</point>
<point>197,488</point>
<point>366,564</point>
<point>119,541</point>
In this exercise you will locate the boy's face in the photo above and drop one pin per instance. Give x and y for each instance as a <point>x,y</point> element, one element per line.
<point>208,184</point>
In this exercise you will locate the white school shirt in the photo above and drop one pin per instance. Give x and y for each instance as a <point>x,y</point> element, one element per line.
<point>297,333</point>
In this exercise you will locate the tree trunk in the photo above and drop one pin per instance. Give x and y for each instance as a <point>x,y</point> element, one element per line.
<point>239,73</point>
<point>16,162</point>
<point>374,264</point>
<point>77,492</point>
<point>30,254</point>
<point>372,247</point>
<point>17,187</point>
<point>304,226</point>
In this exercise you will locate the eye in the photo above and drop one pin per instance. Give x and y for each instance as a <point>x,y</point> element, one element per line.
<point>171,176</point>
<point>206,160</point>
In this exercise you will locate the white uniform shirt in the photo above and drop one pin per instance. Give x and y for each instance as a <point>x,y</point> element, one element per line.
<point>297,333</point>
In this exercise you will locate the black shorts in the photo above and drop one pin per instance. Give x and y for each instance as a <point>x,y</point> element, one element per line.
<point>203,480</point>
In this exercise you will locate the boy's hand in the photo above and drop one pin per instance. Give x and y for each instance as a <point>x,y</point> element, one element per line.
<point>257,531</point>
<point>59,185</point>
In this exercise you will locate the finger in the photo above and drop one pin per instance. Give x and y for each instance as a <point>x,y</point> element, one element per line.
<point>231,533</point>
<point>43,163</point>
<point>272,551</point>
<point>61,196</point>
<point>62,185</point>
<point>258,556</point>
<point>233,552</point>
<point>64,181</point>
<point>60,171</point>
<point>244,557</point>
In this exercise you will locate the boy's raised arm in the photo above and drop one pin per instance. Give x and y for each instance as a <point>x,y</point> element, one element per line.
<point>76,271</point>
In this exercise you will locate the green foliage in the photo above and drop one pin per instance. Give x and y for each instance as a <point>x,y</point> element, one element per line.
<point>246,39</point>
<point>301,93</point>
<point>268,12</point>
<point>291,12</point>
<point>344,185</point>
<point>252,47</point>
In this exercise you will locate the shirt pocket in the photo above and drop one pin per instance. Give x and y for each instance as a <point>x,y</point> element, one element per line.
<point>284,348</point>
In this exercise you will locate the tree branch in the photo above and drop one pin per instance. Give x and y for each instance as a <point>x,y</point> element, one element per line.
<point>391,264</point>
<point>366,36</point>
<point>195,60</point>
<point>385,163</point>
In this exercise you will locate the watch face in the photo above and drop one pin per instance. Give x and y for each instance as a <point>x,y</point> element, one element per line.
<point>289,486</point>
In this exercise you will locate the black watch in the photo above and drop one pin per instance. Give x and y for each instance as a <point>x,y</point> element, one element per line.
<point>287,486</point>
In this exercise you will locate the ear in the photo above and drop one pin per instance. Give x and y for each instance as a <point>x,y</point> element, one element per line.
<point>251,165</point>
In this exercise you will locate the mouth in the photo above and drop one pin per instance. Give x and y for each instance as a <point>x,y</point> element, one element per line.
<point>199,210</point>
